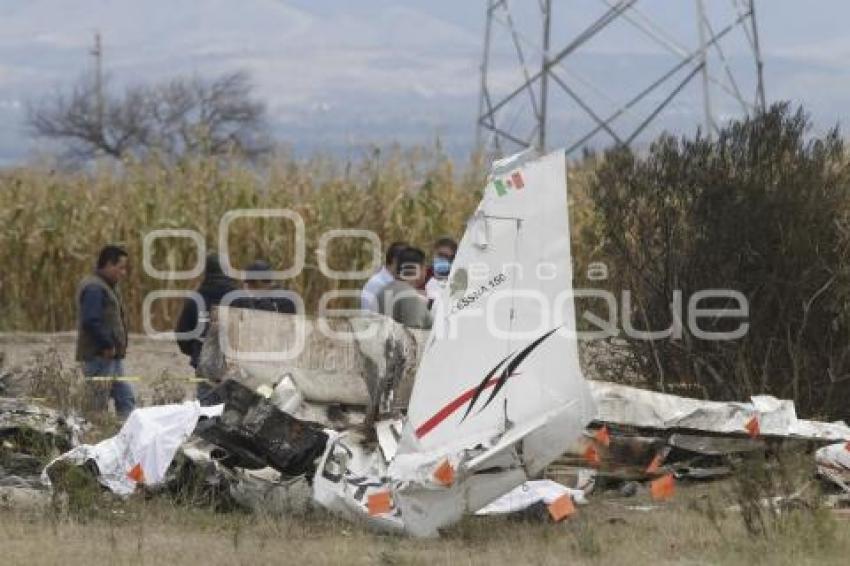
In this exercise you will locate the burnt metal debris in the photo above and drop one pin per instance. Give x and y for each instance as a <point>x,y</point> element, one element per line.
<point>254,434</point>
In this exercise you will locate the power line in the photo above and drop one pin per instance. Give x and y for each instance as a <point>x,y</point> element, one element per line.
<point>498,123</point>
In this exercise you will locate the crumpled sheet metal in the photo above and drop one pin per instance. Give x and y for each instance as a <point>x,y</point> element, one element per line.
<point>352,476</point>
<point>198,467</point>
<point>631,406</point>
<point>28,431</point>
<point>833,463</point>
<point>21,414</point>
<point>348,476</point>
<point>418,498</point>
<point>351,360</point>
<point>531,492</point>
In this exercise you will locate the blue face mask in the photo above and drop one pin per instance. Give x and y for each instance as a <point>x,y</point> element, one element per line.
<point>442,266</point>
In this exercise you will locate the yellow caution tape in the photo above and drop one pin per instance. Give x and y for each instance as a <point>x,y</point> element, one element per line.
<point>137,378</point>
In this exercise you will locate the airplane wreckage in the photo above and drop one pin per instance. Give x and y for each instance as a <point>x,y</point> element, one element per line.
<point>409,430</point>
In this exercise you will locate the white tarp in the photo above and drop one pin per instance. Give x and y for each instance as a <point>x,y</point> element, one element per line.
<point>143,448</point>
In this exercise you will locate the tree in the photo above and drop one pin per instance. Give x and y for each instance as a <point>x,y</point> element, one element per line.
<point>184,116</point>
<point>763,209</point>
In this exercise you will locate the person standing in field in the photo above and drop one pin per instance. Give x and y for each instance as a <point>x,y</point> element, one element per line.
<point>102,330</point>
<point>260,292</point>
<point>214,286</point>
<point>445,250</point>
<point>401,299</point>
<point>383,277</point>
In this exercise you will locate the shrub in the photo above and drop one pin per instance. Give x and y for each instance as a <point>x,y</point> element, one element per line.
<point>763,209</point>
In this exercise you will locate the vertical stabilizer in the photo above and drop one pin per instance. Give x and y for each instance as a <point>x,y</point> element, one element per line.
<point>503,350</point>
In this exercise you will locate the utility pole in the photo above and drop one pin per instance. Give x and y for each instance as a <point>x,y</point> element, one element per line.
<point>483,101</point>
<point>97,53</point>
<point>760,101</point>
<point>706,87</point>
<point>544,75</point>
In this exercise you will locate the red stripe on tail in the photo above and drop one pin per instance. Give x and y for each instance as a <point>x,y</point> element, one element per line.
<point>451,407</point>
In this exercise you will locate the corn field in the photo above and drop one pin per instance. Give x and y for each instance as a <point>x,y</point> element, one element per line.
<point>54,222</point>
<point>761,210</point>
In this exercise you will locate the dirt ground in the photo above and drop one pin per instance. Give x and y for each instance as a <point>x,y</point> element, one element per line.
<point>147,360</point>
<point>700,525</point>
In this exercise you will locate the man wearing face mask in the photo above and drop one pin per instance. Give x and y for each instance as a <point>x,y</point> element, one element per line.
<point>444,254</point>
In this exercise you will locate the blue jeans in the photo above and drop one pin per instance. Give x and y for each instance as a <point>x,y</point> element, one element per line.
<point>203,389</point>
<point>120,391</point>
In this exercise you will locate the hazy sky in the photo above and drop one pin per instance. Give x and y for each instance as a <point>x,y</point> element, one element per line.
<point>339,74</point>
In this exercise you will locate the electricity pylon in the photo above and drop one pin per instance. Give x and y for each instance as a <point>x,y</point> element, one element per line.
<point>516,110</point>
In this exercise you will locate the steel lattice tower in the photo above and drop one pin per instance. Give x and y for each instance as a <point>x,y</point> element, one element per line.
<point>517,111</point>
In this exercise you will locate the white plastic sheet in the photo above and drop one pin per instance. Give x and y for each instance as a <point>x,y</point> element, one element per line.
<point>143,448</point>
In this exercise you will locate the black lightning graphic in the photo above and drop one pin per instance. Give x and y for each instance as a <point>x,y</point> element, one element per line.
<point>514,364</point>
<point>506,373</point>
<point>483,385</point>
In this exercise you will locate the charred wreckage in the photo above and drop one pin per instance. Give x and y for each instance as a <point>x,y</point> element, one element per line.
<point>408,430</point>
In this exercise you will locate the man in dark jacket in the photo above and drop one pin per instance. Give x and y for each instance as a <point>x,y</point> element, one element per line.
<point>212,290</point>
<point>263,294</point>
<point>102,329</point>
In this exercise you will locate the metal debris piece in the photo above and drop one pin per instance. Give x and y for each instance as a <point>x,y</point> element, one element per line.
<point>715,445</point>
<point>833,463</point>
<point>254,433</point>
<point>21,415</point>
<point>31,434</point>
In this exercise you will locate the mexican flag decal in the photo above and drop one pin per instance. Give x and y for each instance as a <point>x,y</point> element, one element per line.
<point>512,181</point>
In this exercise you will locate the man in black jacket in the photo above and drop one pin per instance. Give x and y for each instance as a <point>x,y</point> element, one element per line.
<point>212,289</point>
<point>264,294</point>
<point>102,329</point>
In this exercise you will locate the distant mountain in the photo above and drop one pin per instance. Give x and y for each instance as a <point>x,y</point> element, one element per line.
<point>339,75</point>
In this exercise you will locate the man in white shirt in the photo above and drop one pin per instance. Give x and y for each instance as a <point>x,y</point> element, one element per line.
<point>382,278</point>
<point>402,300</point>
<point>445,250</point>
